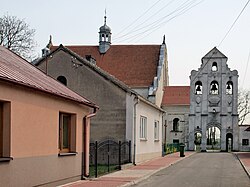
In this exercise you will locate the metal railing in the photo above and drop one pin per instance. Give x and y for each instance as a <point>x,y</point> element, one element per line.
<point>108,156</point>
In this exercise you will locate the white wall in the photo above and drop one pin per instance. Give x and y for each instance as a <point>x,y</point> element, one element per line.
<point>149,148</point>
<point>177,111</point>
<point>244,135</point>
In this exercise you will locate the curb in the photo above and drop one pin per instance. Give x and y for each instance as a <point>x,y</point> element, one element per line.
<point>136,181</point>
<point>242,164</point>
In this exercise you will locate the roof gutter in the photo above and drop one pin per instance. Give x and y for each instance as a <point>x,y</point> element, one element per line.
<point>85,142</point>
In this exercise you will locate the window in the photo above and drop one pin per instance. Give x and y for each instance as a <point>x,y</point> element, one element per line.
<point>156,130</point>
<point>229,88</point>
<point>4,130</point>
<point>245,141</point>
<point>62,79</point>
<point>67,133</point>
<point>103,37</point>
<point>198,88</point>
<point>176,141</point>
<point>176,124</point>
<point>214,88</point>
<point>214,66</point>
<point>143,127</point>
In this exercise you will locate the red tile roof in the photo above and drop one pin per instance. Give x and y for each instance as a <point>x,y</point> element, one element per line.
<point>176,95</point>
<point>15,69</point>
<point>135,65</point>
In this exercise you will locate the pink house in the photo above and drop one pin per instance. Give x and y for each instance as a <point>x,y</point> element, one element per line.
<point>44,127</point>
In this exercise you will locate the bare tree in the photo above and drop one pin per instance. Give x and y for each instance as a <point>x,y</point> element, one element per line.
<point>243,105</point>
<point>16,35</point>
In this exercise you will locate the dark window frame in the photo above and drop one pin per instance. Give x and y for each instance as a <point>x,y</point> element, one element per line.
<point>245,141</point>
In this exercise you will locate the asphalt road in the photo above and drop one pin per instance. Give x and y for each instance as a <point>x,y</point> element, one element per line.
<point>201,170</point>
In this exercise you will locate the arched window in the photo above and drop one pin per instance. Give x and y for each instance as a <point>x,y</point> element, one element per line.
<point>198,88</point>
<point>103,37</point>
<point>214,66</point>
<point>229,88</point>
<point>214,88</point>
<point>176,124</point>
<point>62,79</point>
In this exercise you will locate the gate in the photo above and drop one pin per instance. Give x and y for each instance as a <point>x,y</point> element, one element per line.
<point>108,156</point>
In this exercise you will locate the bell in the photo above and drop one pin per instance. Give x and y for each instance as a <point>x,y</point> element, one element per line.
<point>214,88</point>
<point>228,87</point>
<point>198,89</point>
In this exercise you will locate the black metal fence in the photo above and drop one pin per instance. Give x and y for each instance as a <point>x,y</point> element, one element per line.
<point>108,156</point>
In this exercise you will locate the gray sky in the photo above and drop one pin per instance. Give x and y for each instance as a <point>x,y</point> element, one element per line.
<point>189,34</point>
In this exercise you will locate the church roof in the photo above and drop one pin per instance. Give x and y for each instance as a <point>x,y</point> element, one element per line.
<point>214,53</point>
<point>14,69</point>
<point>176,95</point>
<point>135,65</point>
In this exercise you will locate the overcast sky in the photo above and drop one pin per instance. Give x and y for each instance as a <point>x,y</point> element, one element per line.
<point>192,28</point>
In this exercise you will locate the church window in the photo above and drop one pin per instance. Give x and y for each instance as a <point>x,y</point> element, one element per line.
<point>198,88</point>
<point>62,79</point>
<point>176,124</point>
<point>245,141</point>
<point>103,37</point>
<point>214,88</point>
<point>229,88</point>
<point>214,66</point>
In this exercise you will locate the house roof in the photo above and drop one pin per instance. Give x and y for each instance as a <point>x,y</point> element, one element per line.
<point>176,95</point>
<point>16,70</point>
<point>101,72</point>
<point>135,65</point>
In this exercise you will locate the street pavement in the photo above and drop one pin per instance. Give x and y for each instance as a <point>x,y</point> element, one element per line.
<point>141,172</point>
<point>211,169</point>
<point>133,174</point>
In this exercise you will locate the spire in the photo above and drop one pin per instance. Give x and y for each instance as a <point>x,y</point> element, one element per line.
<point>105,17</point>
<point>104,36</point>
<point>163,39</point>
<point>49,45</point>
<point>46,50</point>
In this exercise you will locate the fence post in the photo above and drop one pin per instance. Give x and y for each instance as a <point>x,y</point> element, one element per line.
<point>129,151</point>
<point>120,155</point>
<point>96,167</point>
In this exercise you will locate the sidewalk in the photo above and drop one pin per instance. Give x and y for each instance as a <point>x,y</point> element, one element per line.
<point>244,158</point>
<point>133,174</point>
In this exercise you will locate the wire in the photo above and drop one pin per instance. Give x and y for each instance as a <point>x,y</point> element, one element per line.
<point>138,18</point>
<point>159,22</point>
<point>234,23</point>
<point>181,13</point>
<point>135,28</point>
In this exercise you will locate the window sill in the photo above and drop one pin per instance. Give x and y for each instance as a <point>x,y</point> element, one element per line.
<point>157,140</point>
<point>143,139</point>
<point>5,159</point>
<point>67,154</point>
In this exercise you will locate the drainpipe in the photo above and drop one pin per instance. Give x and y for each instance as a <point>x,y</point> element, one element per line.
<point>86,138</point>
<point>134,156</point>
